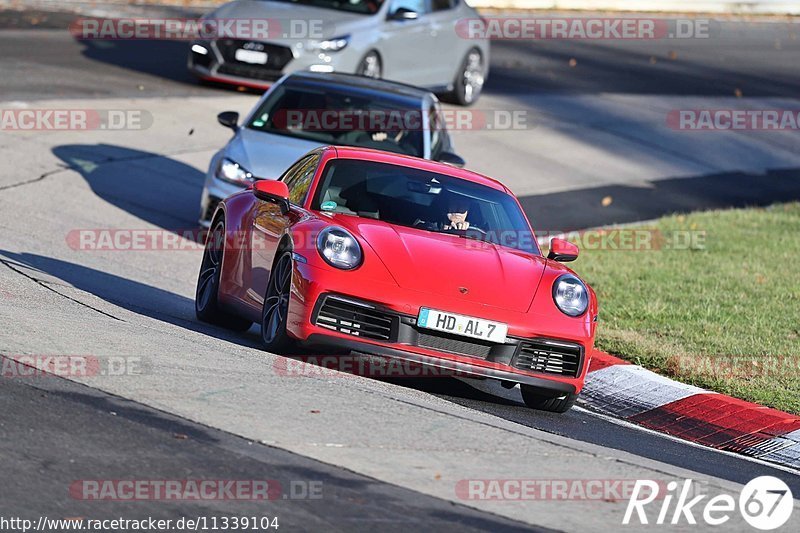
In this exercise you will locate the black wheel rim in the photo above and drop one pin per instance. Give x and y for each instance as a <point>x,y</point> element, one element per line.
<point>276,304</point>
<point>370,66</point>
<point>472,77</point>
<point>208,280</point>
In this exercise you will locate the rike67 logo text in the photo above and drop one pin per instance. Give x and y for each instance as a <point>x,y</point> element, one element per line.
<point>765,503</point>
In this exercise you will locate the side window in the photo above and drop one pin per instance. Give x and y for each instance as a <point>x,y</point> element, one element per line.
<point>417,6</point>
<point>442,5</point>
<point>298,178</point>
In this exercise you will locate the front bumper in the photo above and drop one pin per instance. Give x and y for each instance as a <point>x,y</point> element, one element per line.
<point>463,369</point>
<point>524,358</point>
<point>219,62</point>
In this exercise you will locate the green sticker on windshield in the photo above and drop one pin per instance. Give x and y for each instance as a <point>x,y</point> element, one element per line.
<point>329,206</point>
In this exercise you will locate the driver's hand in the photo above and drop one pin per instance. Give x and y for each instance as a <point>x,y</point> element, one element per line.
<point>458,225</point>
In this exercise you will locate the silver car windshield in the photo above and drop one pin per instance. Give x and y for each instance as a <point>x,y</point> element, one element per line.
<point>330,117</point>
<point>423,200</point>
<point>366,7</point>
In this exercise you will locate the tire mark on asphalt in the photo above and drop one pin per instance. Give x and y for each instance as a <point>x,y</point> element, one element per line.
<point>106,161</point>
<point>34,180</point>
<point>49,288</point>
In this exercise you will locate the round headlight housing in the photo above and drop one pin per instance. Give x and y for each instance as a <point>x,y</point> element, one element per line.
<point>571,295</point>
<point>339,248</point>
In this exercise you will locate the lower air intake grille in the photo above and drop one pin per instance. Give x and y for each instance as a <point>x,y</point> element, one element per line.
<point>246,71</point>
<point>543,356</point>
<point>354,319</point>
<point>456,346</point>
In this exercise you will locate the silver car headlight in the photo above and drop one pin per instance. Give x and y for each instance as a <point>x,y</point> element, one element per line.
<point>571,295</point>
<point>232,172</point>
<point>332,45</point>
<point>339,248</point>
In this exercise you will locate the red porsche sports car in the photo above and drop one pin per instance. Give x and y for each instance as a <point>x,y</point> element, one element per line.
<point>356,249</point>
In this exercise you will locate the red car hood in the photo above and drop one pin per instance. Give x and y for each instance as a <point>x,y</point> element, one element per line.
<point>446,264</point>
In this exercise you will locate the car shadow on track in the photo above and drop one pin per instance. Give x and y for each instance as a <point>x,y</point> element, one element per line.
<point>150,186</point>
<point>583,208</point>
<point>138,55</point>
<point>134,296</point>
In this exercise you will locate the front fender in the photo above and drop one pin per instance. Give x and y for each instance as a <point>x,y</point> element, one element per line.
<point>304,242</point>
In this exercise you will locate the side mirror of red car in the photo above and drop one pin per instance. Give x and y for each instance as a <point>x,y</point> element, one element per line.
<point>562,251</point>
<point>272,191</point>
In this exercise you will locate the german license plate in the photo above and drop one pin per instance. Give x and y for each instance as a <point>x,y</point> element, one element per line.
<point>466,326</point>
<point>251,56</point>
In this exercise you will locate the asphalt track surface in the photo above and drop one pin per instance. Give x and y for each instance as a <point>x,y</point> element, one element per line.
<point>75,427</point>
<point>54,431</point>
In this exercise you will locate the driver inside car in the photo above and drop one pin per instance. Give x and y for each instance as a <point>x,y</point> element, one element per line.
<point>457,211</point>
<point>452,210</point>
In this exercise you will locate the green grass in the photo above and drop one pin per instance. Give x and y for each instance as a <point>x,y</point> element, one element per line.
<point>725,317</point>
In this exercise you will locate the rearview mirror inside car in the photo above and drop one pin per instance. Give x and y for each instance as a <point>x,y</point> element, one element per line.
<point>229,119</point>
<point>562,251</point>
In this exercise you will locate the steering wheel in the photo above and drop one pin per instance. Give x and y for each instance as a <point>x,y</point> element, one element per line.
<point>466,231</point>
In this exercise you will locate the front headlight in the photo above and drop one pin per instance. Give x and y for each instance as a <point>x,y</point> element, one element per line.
<point>232,172</point>
<point>571,295</point>
<point>339,248</point>
<point>332,45</point>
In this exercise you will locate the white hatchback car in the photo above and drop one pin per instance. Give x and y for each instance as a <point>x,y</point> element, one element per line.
<point>421,42</point>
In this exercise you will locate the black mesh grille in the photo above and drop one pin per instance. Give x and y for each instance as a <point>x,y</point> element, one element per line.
<point>250,72</point>
<point>447,343</point>
<point>542,356</point>
<point>201,60</point>
<point>277,56</point>
<point>353,319</point>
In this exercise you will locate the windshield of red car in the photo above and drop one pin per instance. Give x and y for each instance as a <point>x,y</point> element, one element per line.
<point>423,200</point>
<point>332,117</point>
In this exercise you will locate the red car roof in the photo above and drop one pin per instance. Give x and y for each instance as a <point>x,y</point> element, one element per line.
<point>368,154</point>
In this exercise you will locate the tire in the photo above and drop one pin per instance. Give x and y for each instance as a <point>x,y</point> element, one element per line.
<point>370,66</point>
<point>534,399</point>
<point>206,304</point>
<point>274,314</point>
<point>469,80</point>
